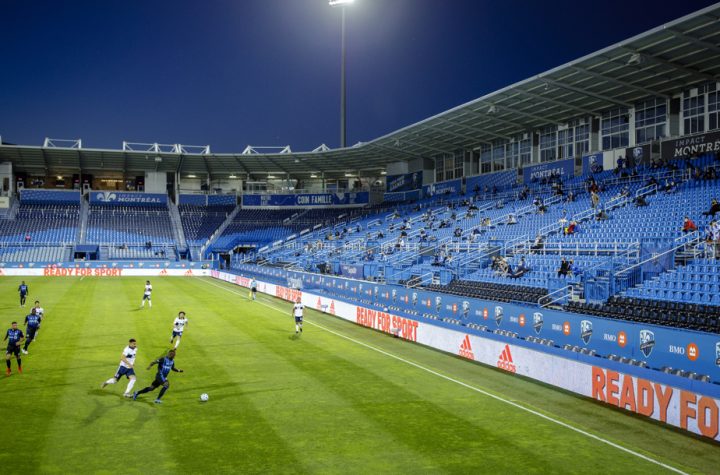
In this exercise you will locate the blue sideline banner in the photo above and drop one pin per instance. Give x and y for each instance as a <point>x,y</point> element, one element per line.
<point>564,168</point>
<point>592,163</point>
<point>658,346</point>
<point>443,188</point>
<point>405,182</point>
<point>127,199</point>
<point>318,200</point>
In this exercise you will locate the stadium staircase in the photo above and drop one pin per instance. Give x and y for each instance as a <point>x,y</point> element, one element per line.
<point>177,227</point>
<point>84,206</point>
<point>218,232</point>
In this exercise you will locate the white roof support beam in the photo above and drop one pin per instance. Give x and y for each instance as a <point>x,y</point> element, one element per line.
<point>698,41</point>
<point>619,82</point>
<point>665,62</point>
<point>587,93</point>
<point>554,102</point>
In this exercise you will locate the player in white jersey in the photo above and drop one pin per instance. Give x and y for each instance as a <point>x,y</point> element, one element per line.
<point>126,368</point>
<point>38,311</point>
<point>147,295</point>
<point>178,327</point>
<point>298,314</point>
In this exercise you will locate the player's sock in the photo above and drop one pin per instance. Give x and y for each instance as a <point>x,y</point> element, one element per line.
<point>7,362</point>
<point>19,361</point>
<point>162,391</point>
<point>296,328</point>
<point>27,343</point>
<point>150,303</point>
<point>110,381</point>
<point>177,343</point>
<point>130,386</point>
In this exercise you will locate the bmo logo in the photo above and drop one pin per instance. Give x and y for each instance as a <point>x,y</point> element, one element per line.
<point>676,350</point>
<point>693,352</point>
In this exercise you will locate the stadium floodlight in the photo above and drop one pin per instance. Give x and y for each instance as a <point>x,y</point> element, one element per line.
<point>635,58</point>
<point>312,175</point>
<point>192,176</point>
<point>342,4</point>
<point>232,176</point>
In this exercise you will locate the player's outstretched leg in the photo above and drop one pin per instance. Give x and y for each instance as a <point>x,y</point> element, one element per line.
<point>109,381</point>
<point>163,390</point>
<point>26,345</point>
<point>142,391</point>
<point>128,390</point>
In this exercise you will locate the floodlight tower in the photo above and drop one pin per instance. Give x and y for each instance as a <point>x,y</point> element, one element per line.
<point>342,4</point>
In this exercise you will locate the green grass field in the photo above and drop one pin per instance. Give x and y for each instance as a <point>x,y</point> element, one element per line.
<point>339,399</point>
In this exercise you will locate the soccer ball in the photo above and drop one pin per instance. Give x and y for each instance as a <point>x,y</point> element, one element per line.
<point>204,397</point>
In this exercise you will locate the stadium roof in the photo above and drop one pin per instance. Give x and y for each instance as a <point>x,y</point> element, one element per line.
<point>657,63</point>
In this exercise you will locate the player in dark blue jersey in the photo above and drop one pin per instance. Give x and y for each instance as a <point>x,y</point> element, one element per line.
<point>32,324</point>
<point>24,291</point>
<point>15,338</point>
<point>165,365</point>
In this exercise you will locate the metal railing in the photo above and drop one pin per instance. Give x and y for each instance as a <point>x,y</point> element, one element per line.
<point>568,291</point>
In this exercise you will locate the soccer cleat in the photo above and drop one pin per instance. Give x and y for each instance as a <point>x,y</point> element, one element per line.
<point>134,396</point>
<point>24,351</point>
<point>128,395</point>
<point>19,369</point>
<point>8,372</point>
<point>158,401</point>
<point>102,386</point>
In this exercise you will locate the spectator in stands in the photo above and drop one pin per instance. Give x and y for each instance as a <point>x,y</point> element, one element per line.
<point>570,197</point>
<point>688,225</point>
<point>512,219</point>
<point>500,204</point>
<point>564,268</point>
<point>571,228</point>
<point>601,215</point>
<point>670,186</point>
<point>539,205</point>
<point>563,218</point>
<point>486,222</point>
<point>651,181</point>
<point>28,238</point>
<point>448,259</point>
<point>714,208</point>
<point>148,245</point>
<point>458,232</point>
<point>520,270</point>
<point>503,268</point>
<point>538,244</point>
<point>594,199</point>
<point>640,201</point>
<point>624,192</point>
<point>710,173</point>
<point>380,235</point>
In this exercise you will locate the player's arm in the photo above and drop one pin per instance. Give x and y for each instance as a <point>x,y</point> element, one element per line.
<point>6,337</point>
<point>21,340</point>
<point>153,364</point>
<point>125,360</point>
<point>177,370</point>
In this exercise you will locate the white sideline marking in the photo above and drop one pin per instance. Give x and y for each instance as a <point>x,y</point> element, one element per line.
<point>465,385</point>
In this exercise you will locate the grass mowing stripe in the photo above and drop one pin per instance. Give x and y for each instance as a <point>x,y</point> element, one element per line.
<point>471,387</point>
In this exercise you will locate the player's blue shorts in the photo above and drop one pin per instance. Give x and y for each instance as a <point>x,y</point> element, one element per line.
<point>30,332</point>
<point>123,371</point>
<point>298,319</point>
<point>175,334</point>
<point>13,350</point>
<point>146,297</point>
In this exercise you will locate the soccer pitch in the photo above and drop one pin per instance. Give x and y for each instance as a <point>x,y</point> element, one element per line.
<point>338,399</point>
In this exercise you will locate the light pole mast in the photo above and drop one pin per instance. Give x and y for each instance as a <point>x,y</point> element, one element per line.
<point>343,102</point>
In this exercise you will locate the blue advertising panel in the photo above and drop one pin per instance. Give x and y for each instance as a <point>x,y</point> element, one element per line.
<point>443,188</point>
<point>565,168</point>
<point>401,196</point>
<point>117,198</point>
<point>592,163</point>
<point>221,200</point>
<point>405,182</point>
<point>50,196</point>
<point>192,199</point>
<point>307,200</point>
<point>658,346</point>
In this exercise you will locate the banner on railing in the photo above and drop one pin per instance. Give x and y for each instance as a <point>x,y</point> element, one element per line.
<point>638,155</point>
<point>564,168</point>
<point>592,163</point>
<point>404,182</point>
<point>318,200</point>
<point>450,187</point>
<point>118,198</point>
<point>697,144</point>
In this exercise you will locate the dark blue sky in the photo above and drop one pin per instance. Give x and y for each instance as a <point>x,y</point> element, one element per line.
<point>266,72</point>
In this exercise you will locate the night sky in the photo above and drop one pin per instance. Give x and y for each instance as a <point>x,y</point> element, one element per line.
<point>229,73</point>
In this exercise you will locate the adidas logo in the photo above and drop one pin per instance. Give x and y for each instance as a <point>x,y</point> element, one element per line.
<point>188,273</point>
<point>506,361</point>
<point>164,272</point>
<point>466,349</point>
